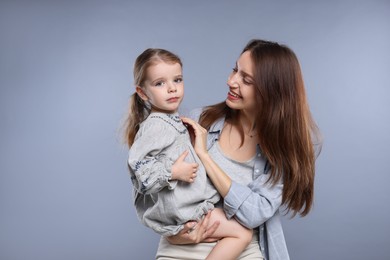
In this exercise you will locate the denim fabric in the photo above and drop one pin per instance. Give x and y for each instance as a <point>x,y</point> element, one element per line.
<point>257,204</point>
<point>163,204</point>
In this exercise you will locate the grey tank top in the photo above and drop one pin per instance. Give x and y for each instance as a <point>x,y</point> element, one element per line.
<point>240,172</point>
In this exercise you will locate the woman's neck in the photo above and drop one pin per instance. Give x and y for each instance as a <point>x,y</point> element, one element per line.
<point>238,146</point>
<point>246,121</point>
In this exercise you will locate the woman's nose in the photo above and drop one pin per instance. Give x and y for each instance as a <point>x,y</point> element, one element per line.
<point>232,80</point>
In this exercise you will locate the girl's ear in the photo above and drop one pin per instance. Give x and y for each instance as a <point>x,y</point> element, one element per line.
<point>141,93</point>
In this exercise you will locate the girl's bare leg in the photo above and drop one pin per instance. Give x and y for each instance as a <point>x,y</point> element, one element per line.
<point>234,237</point>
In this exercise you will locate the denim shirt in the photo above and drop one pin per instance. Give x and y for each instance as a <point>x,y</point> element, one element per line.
<point>256,205</point>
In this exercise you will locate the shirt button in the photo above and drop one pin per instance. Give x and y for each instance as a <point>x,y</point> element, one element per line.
<point>257,170</point>
<point>259,154</point>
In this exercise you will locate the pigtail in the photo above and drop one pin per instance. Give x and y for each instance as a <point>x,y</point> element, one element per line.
<point>137,114</point>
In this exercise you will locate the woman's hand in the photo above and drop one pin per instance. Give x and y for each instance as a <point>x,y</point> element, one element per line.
<point>200,144</point>
<point>218,177</point>
<point>196,232</point>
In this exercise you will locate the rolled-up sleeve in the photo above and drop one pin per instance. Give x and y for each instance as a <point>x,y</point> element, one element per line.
<point>254,204</point>
<point>235,197</point>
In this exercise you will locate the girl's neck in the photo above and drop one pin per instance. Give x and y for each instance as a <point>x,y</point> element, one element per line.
<point>157,110</point>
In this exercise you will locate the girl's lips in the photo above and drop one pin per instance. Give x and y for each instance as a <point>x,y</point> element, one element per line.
<point>174,99</point>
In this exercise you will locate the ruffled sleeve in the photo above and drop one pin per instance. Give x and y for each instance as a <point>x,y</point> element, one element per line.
<point>149,164</point>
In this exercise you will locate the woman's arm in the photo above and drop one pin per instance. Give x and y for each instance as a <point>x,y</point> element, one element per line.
<point>251,205</point>
<point>254,204</point>
<point>195,232</point>
<point>218,177</point>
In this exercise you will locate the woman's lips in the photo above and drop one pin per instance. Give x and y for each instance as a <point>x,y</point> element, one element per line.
<point>233,96</point>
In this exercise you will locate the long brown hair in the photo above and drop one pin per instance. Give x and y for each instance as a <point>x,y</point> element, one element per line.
<point>284,123</point>
<point>138,110</point>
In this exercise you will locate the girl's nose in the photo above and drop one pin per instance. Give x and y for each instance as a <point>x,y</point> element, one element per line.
<point>172,88</point>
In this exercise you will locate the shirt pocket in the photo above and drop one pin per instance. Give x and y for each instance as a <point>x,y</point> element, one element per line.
<point>262,166</point>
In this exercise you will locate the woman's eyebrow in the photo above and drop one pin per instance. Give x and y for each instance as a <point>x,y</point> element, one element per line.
<point>243,73</point>
<point>246,75</point>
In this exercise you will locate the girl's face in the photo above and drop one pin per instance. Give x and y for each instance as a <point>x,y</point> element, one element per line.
<point>242,90</point>
<point>163,87</point>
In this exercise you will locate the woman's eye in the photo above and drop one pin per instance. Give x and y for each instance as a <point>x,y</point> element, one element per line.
<point>235,69</point>
<point>246,82</point>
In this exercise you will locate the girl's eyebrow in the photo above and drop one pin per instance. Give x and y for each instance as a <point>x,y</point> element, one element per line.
<point>163,78</point>
<point>157,79</point>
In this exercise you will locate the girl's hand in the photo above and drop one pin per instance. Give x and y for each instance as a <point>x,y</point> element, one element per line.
<point>184,171</point>
<point>200,144</point>
<point>196,232</point>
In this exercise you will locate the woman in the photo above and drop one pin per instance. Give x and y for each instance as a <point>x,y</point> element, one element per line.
<point>259,149</point>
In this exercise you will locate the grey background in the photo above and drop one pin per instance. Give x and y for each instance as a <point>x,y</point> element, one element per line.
<point>66,76</point>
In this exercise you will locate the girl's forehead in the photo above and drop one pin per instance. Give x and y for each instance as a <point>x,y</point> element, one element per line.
<point>163,69</point>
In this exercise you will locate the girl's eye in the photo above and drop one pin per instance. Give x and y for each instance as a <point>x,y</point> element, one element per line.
<point>235,69</point>
<point>178,80</point>
<point>159,84</point>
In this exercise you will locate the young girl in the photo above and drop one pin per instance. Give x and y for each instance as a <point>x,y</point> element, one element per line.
<point>170,183</point>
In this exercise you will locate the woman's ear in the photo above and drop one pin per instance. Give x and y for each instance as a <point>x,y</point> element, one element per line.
<point>141,93</point>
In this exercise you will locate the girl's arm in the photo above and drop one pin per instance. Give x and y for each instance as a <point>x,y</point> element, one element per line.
<point>150,166</point>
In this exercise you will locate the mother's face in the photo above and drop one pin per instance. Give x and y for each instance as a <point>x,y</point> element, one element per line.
<point>242,90</point>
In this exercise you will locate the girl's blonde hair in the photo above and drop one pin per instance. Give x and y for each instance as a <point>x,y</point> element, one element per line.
<point>138,111</point>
